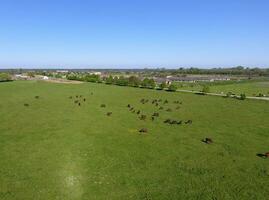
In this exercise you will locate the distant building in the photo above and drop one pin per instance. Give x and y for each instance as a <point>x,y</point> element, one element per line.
<point>191,78</point>
<point>62,71</point>
<point>20,77</point>
<point>96,73</point>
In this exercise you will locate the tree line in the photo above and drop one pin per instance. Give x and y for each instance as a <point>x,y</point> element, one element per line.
<point>132,81</point>
<point>239,70</point>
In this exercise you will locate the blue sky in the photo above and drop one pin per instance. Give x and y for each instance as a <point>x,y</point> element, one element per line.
<point>135,33</point>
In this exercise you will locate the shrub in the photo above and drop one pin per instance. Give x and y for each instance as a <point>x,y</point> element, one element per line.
<point>148,83</point>
<point>109,80</point>
<point>92,78</point>
<point>4,77</point>
<point>122,81</point>
<point>162,85</point>
<point>229,94</point>
<point>134,81</point>
<point>172,88</point>
<point>206,89</point>
<point>242,97</point>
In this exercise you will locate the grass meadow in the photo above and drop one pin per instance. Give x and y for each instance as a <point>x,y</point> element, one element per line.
<point>251,88</point>
<point>55,149</point>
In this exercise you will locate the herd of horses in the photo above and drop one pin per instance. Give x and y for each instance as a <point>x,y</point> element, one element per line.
<point>159,104</point>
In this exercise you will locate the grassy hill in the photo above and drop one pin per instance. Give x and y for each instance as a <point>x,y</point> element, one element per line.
<point>52,148</point>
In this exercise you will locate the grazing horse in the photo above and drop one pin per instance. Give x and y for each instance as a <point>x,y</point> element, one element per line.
<point>173,122</point>
<point>26,104</point>
<point>143,117</point>
<point>167,121</point>
<point>128,106</point>
<point>143,130</point>
<point>179,122</point>
<point>37,97</point>
<point>155,114</point>
<point>188,122</point>
<point>103,106</point>
<point>207,140</point>
<point>109,113</point>
<point>84,99</point>
<point>265,155</point>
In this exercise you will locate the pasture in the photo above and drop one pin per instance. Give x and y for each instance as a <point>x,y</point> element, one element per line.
<point>56,148</point>
<point>251,88</point>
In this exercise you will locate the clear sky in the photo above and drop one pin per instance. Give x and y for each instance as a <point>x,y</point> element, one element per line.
<point>134,33</point>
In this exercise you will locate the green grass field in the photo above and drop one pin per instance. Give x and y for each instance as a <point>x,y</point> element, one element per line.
<point>55,149</point>
<point>249,88</point>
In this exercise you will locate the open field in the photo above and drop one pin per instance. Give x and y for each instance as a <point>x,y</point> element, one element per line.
<point>249,88</point>
<point>51,148</point>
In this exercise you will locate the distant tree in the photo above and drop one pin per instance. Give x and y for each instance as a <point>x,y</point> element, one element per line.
<point>145,82</point>
<point>58,76</point>
<point>148,83</point>
<point>151,83</point>
<point>122,81</point>
<point>206,89</point>
<point>109,80</point>
<point>4,77</point>
<point>172,88</point>
<point>72,77</point>
<point>134,81</point>
<point>92,78</point>
<point>163,85</point>
<point>115,79</point>
<point>31,74</point>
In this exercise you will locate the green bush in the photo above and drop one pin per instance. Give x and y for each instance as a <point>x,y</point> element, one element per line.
<point>148,83</point>
<point>4,77</point>
<point>206,89</point>
<point>229,94</point>
<point>172,88</point>
<point>242,97</point>
<point>162,85</point>
<point>109,80</point>
<point>133,81</point>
